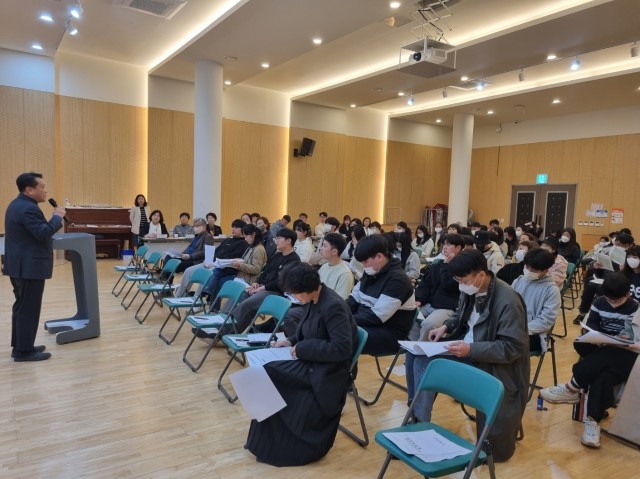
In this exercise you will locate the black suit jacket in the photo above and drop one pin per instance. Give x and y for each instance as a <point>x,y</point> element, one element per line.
<point>28,240</point>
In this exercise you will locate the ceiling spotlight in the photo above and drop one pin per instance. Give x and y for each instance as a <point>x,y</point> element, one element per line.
<point>410,100</point>
<point>394,4</point>
<point>438,120</point>
<point>36,46</point>
<point>489,112</point>
<point>464,78</point>
<point>575,64</point>
<point>556,101</point>
<point>551,56</point>
<point>45,17</point>
<point>499,128</point>
<point>231,58</point>
<point>353,105</point>
<point>72,30</point>
<point>264,65</point>
<point>634,50</point>
<point>521,75</point>
<point>76,11</point>
<point>401,93</point>
<point>227,82</point>
<point>317,41</point>
<point>445,93</point>
<point>481,85</point>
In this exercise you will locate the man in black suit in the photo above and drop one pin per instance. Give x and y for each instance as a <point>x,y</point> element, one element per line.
<point>28,262</point>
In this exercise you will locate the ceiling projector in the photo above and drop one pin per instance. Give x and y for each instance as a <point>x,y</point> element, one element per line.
<point>430,54</point>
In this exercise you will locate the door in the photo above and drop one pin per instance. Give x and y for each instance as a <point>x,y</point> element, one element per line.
<point>550,206</point>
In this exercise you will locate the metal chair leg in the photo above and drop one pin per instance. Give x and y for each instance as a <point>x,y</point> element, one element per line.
<point>385,380</point>
<point>364,441</point>
<point>226,393</point>
<point>172,312</point>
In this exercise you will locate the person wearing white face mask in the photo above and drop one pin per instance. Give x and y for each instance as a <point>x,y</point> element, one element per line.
<point>513,270</point>
<point>383,302</point>
<point>559,269</point>
<point>490,333</point>
<point>631,270</point>
<point>540,295</point>
<point>568,247</point>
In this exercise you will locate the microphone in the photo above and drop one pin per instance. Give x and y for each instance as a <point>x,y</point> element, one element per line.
<point>54,203</point>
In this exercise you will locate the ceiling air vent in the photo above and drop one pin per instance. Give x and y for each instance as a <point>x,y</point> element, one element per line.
<point>158,8</point>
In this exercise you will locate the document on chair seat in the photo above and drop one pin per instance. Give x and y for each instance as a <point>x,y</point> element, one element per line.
<point>173,253</point>
<point>426,348</point>
<point>260,357</point>
<point>205,320</point>
<point>429,446</point>
<point>257,393</point>
<point>596,337</point>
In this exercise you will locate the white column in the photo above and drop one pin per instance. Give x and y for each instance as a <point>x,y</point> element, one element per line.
<point>460,174</point>
<point>207,161</point>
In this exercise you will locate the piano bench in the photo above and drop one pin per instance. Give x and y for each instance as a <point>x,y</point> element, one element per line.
<point>109,247</point>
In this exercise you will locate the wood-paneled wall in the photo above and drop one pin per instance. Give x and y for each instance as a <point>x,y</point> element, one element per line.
<point>345,175</point>
<point>604,168</point>
<point>26,140</point>
<point>416,176</point>
<point>170,167</point>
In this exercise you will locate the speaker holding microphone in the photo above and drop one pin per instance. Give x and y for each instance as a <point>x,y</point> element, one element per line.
<point>54,203</point>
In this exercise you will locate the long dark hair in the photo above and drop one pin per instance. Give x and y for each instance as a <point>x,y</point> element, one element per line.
<point>425,238</point>
<point>252,229</point>
<point>405,240</point>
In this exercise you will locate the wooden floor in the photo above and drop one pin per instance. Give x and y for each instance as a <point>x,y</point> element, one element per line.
<point>125,406</point>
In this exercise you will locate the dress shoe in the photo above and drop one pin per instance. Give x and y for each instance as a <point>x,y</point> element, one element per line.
<point>36,349</point>
<point>35,356</point>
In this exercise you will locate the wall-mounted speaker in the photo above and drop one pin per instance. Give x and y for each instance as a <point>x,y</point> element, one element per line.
<point>306,148</point>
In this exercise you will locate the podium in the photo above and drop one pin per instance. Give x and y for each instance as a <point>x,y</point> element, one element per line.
<point>85,324</point>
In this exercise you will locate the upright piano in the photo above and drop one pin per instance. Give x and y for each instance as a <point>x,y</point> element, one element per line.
<point>110,226</point>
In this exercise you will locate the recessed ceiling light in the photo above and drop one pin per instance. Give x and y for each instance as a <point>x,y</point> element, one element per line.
<point>36,46</point>
<point>264,65</point>
<point>353,105</point>
<point>317,41</point>
<point>76,11</point>
<point>394,4</point>
<point>575,64</point>
<point>481,85</point>
<point>231,58</point>
<point>72,30</point>
<point>45,17</point>
<point>438,120</point>
<point>551,56</point>
<point>401,93</point>
<point>227,82</point>
<point>556,101</point>
<point>489,112</point>
<point>464,78</point>
<point>410,100</point>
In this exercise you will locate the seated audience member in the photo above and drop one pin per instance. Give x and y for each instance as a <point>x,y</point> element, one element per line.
<point>408,258</point>
<point>476,226</point>
<point>343,229</point>
<point>519,232</point>
<point>156,226</point>
<point>509,272</point>
<point>246,217</point>
<point>469,242</point>
<point>281,223</point>
<point>354,222</point>
<point>600,367</point>
<point>454,229</point>
<point>569,248</point>
<point>510,240</point>
<point>600,247</point>
<point>621,242</point>
<point>494,223</point>
<point>331,225</point>
<point>490,330</point>
<point>631,270</point>
<point>438,235</point>
<point>355,234</point>
<point>184,228</point>
<point>382,302</point>
<point>422,236</point>
<point>497,236</point>
<point>231,248</point>
<point>315,386</point>
<point>401,227</point>
<point>268,238</point>
<point>534,229</point>
<point>303,217</point>
<point>375,228</point>
<point>529,237</point>
<point>334,274</point>
<point>267,282</point>
<point>366,222</point>
<point>541,296</point>
<point>490,250</point>
<point>304,246</point>
<point>319,229</point>
<point>254,218</point>
<point>193,254</point>
<point>354,265</point>
<point>254,258</point>
<point>559,269</point>
<point>212,228</point>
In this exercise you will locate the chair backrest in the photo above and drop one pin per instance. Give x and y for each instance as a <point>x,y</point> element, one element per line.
<point>275,306</point>
<point>201,276</point>
<point>231,291</point>
<point>153,258</point>
<point>169,268</point>
<point>362,339</point>
<point>571,268</point>
<point>465,383</point>
<point>140,252</point>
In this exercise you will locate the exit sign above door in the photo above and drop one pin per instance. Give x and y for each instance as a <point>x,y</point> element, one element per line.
<point>542,178</point>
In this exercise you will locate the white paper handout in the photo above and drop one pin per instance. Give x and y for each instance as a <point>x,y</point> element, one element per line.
<point>618,255</point>
<point>173,253</point>
<point>260,357</point>
<point>596,337</point>
<point>223,263</point>
<point>605,261</point>
<point>428,446</point>
<point>426,348</point>
<point>209,253</point>
<point>257,393</point>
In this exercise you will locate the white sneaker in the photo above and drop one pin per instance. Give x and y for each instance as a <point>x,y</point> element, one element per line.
<point>559,395</point>
<point>591,434</point>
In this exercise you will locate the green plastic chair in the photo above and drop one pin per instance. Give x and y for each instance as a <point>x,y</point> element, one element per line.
<point>200,276</point>
<point>386,378</point>
<point>364,441</point>
<point>275,306</point>
<point>135,265</point>
<point>145,275</point>
<point>159,289</point>
<point>466,384</point>
<point>566,287</point>
<point>218,322</point>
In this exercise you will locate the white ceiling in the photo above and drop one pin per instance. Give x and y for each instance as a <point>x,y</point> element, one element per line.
<point>357,61</point>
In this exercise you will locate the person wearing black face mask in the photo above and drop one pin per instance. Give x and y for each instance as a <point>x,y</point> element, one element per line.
<point>490,250</point>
